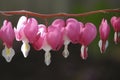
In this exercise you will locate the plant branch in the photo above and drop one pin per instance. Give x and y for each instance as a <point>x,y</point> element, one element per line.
<point>29,13</point>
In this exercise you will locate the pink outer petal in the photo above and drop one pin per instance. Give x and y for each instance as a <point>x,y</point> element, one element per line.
<point>42,33</point>
<point>115,21</point>
<point>104,30</point>
<point>54,38</point>
<point>19,31</point>
<point>7,33</point>
<point>58,23</point>
<point>37,45</point>
<point>72,30</point>
<point>31,30</point>
<point>19,34</point>
<point>88,34</point>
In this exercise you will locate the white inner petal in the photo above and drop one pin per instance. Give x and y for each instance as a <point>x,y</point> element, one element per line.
<point>47,58</point>
<point>100,45</point>
<point>8,53</point>
<point>106,44</point>
<point>82,51</point>
<point>25,48</point>
<point>65,52</point>
<point>46,47</point>
<point>115,37</point>
<point>118,34</point>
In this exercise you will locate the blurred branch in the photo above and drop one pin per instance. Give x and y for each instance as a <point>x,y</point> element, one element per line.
<point>29,13</point>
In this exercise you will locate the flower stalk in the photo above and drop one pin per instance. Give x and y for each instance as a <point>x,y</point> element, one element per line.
<point>44,16</point>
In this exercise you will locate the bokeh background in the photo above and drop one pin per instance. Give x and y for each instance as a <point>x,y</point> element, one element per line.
<point>97,67</point>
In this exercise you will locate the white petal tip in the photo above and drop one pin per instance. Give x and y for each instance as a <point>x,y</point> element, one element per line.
<point>25,55</point>
<point>8,54</point>
<point>25,48</point>
<point>65,51</point>
<point>47,63</point>
<point>65,54</point>
<point>84,53</point>
<point>8,59</point>
<point>103,46</point>
<point>47,58</point>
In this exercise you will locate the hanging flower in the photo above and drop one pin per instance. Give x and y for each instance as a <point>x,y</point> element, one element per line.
<point>88,33</point>
<point>27,33</point>
<point>42,43</point>
<point>60,24</point>
<point>115,21</point>
<point>42,30</point>
<point>54,40</point>
<point>104,31</point>
<point>71,34</point>
<point>7,35</point>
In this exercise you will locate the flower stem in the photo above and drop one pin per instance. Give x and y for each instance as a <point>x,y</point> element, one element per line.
<point>44,16</point>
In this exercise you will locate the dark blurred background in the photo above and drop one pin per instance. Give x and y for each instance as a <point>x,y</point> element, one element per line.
<point>97,67</point>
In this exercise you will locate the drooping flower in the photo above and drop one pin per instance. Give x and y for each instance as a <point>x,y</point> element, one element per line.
<point>27,33</point>
<point>60,23</point>
<point>104,31</point>
<point>42,30</point>
<point>42,43</point>
<point>115,21</point>
<point>7,35</point>
<point>70,30</point>
<point>71,34</point>
<point>88,33</point>
<point>54,41</point>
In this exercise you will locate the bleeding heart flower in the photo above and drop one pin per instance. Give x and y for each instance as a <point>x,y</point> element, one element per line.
<point>104,31</point>
<point>42,30</point>
<point>72,30</point>
<point>53,40</point>
<point>27,32</point>
<point>41,43</point>
<point>88,33</point>
<point>7,35</point>
<point>60,24</point>
<point>115,21</point>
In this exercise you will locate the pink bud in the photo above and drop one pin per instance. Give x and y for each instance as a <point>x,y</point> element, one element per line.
<point>115,21</point>
<point>104,31</point>
<point>7,33</point>
<point>87,35</point>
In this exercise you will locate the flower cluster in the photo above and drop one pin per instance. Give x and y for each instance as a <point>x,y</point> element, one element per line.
<point>53,37</point>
